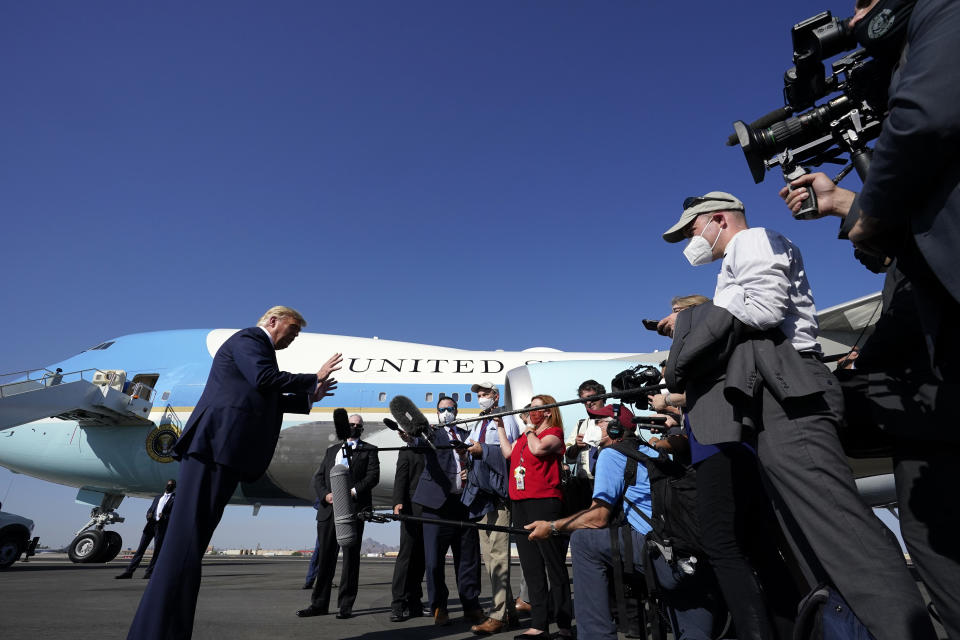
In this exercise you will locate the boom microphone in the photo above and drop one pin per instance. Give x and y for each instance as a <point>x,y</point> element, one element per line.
<point>344,518</point>
<point>409,418</point>
<point>341,424</point>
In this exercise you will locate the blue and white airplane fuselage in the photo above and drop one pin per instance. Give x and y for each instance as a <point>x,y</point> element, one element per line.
<point>129,459</point>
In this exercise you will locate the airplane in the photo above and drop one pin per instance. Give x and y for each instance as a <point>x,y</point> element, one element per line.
<point>105,420</point>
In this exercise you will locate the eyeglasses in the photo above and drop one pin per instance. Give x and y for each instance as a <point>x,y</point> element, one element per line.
<point>695,200</point>
<point>445,409</point>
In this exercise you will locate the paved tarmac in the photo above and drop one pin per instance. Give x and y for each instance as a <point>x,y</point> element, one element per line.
<point>240,599</point>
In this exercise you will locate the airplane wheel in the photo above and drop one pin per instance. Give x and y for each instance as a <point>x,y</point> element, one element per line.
<point>112,547</point>
<point>87,546</point>
<point>9,550</point>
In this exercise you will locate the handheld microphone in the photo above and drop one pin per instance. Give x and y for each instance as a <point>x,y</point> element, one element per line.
<point>344,518</point>
<point>341,424</point>
<point>409,418</point>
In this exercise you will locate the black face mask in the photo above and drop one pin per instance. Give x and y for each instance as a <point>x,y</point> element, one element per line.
<point>883,31</point>
<point>355,432</point>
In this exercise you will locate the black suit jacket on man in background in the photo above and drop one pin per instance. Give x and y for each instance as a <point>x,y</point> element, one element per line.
<point>231,435</point>
<point>364,467</point>
<point>149,532</point>
<point>408,571</point>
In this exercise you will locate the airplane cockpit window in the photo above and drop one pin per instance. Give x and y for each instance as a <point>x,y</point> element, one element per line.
<point>101,346</point>
<point>428,397</point>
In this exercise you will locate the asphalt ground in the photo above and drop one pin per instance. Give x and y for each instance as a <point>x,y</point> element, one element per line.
<point>240,599</point>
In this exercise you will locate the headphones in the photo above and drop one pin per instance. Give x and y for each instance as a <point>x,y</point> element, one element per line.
<point>615,429</point>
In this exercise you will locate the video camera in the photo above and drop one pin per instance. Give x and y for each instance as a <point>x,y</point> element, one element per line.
<point>638,376</point>
<point>843,124</point>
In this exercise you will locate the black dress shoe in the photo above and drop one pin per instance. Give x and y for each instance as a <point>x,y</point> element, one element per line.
<point>307,586</point>
<point>399,615</point>
<point>343,614</point>
<point>311,611</point>
<point>123,576</point>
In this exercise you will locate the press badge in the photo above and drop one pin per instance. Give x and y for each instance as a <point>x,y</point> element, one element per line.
<point>518,474</point>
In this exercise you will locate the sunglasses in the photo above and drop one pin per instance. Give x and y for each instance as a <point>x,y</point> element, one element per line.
<point>445,409</point>
<point>692,201</point>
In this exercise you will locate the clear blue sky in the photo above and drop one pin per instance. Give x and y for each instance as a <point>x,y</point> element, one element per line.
<point>388,168</point>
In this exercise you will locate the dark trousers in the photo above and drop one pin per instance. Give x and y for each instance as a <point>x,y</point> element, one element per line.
<point>465,544</point>
<point>145,541</point>
<point>158,537</point>
<point>739,536</point>
<point>312,567</point>
<point>407,589</point>
<point>541,560</point>
<point>689,597</point>
<point>800,452</point>
<point>930,521</point>
<point>169,602</point>
<point>327,567</point>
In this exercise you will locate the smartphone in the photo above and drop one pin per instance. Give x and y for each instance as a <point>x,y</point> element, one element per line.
<point>650,325</point>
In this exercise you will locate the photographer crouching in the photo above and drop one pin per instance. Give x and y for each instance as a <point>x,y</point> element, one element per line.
<point>907,220</point>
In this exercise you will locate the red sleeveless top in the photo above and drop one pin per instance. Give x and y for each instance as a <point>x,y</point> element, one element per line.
<point>542,475</point>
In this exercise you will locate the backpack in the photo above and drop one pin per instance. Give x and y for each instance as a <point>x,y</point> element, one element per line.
<point>673,494</point>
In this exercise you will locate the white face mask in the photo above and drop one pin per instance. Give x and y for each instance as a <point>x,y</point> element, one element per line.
<point>698,251</point>
<point>485,403</point>
<point>447,416</point>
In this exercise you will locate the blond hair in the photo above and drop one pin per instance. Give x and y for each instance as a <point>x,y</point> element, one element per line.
<point>685,302</point>
<point>281,312</point>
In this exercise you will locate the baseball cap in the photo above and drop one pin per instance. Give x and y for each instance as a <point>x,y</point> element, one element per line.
<point>696,205</point>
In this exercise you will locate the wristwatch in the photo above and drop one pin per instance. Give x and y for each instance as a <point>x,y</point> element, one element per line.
<point>553,528</point>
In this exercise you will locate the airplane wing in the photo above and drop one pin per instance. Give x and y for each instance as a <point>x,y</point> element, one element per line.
<point>843,325</point>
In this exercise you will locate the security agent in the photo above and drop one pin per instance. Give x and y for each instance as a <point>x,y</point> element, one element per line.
<point>362,462</point>
<point>486,498</point>
<point>908,211</point>
<point>750,365</point>
<point>230,436</point>
<point>409,568</point>
<point>158,517</point>
<point>592,549</point>
<point>439,495</point>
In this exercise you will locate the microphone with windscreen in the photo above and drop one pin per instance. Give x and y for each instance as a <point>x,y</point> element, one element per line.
<point>344,518</point>
<point>341,424</point>
<point>410,419</point>
<point>391,424</point>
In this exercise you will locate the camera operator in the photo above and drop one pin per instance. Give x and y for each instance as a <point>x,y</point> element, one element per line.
<point>909,210</point>
<point>688,596</point>
<point>751,368</point>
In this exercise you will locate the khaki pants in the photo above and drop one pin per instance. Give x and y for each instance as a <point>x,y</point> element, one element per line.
<point>495,547</point>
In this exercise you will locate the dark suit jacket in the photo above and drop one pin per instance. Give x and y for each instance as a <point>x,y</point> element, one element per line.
<point>439,475</point>
<point>364,475</point>
<point>914,176</point>
<point>405,481</point>
<point>720,363</point>
<point>237,420</point>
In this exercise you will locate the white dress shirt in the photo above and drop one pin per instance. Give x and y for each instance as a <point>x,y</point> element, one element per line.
<point>485,431</point>
<point>762,282</point>
<point>161,504</point>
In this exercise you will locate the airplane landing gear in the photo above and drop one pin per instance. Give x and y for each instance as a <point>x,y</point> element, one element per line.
<point>93,543</point>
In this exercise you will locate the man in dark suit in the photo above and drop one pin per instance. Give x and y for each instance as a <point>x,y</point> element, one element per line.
<point>158,516</point>
<point>408,570</point>
<point>230,436</point>
<point>361,460</point>
<point>438,494</point>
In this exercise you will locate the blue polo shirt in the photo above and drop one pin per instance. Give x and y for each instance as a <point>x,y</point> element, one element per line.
<point>608,487</point>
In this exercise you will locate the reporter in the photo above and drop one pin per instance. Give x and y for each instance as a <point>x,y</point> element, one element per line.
<point>535,460</point>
